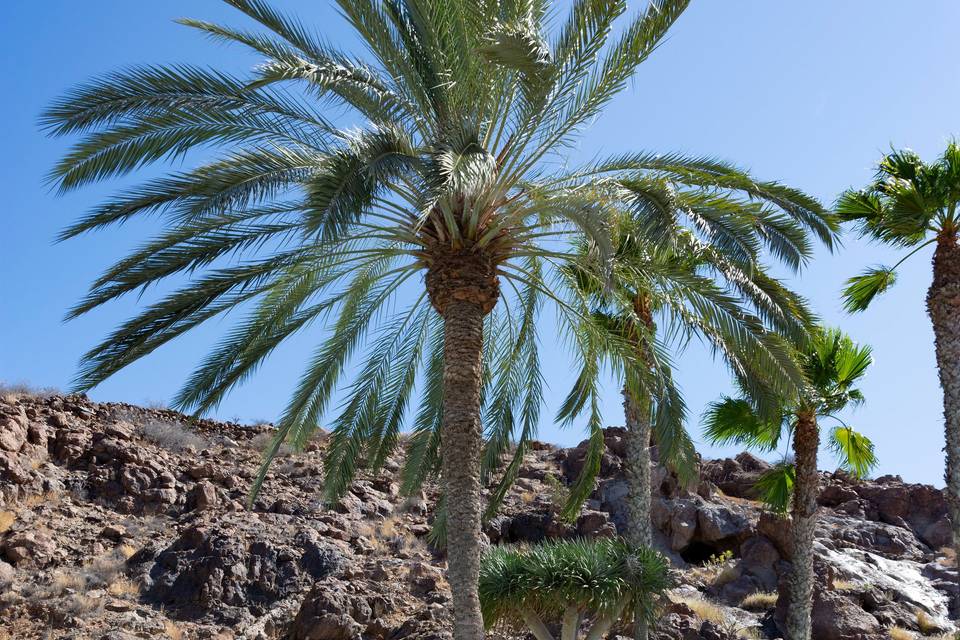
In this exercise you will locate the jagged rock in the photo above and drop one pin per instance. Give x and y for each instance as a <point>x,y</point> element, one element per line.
<point>218,569</point>
<point>736,477</point>
<point>327,613</point>
<point>29,547</point>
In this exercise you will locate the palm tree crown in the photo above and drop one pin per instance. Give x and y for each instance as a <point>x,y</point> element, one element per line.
<point>910,204</point>
<point>832,365</point>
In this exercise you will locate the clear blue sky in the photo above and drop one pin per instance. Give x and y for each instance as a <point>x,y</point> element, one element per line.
<point>809,92</point>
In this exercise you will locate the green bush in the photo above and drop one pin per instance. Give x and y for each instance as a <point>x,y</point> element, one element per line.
<point>571,580</point>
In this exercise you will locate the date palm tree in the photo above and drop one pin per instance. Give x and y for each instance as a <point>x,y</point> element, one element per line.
<point>717,292</point>
<point>832,364</point>
<point>441,165</point>
<point>571,581</point>
<point>911,205</point>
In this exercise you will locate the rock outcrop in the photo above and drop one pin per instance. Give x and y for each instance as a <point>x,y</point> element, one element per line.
<point>122,522</point>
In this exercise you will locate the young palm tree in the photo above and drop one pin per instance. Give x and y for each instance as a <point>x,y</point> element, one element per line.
<point>571,581</point>
<point>718,293</point>
<point>832,364</point>
<point>912,205</point>
<point>459,108</point>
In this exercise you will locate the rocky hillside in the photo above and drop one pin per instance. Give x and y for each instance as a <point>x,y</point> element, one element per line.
<point>121,522</point>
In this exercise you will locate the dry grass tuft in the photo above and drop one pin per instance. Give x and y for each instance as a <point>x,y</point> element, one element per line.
<point>61,582</point>
<point>760,601</point>
<point>37,499</point>
<point>845,585</point>
<point>126,550</point>
<point>926,624</point>
<point>705,610</point>
<point>174,436</point>
<point>172,631</point>
<point>7,518</point>
<point>80,605</point>
<point>14,391</point>
<point>123,587</point>
<point>899,633</point>
<point>948,555</point>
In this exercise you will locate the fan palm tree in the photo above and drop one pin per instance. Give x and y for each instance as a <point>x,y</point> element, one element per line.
<point>911,205</point>
<point>721,295</point>
<point>832,365</point>
<point>571,581</point>
<point>459,109</point>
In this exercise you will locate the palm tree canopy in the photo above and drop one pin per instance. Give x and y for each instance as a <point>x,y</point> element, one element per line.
<point>598,576</point>
<point>665,293</point>
<point>460,109</point>
<point>908,202</point>
<point>832,365</point>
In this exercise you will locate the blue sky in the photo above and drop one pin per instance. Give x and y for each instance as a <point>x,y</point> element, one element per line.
<point>809,92</point>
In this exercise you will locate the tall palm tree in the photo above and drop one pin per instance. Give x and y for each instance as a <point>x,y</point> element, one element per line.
<point>832,364</point>
<point>718,292</point>
<point>911,205</point>
<point>459,109</point>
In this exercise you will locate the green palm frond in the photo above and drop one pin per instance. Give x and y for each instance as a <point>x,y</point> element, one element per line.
<point>854,451</point>
<point>776,487</point>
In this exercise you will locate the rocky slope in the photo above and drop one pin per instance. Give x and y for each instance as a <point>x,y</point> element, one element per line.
<point>122,522</point>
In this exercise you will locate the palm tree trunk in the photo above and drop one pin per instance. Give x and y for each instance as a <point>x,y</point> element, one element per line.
<point>460,445</point>
<point>805,444</point>
<point>943,306</point>
<point>637,417</point>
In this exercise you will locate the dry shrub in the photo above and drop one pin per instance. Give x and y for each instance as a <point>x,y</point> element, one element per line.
<point>899,633</point>
<point>172,630</point>
<point>80,605</point>
<point>123,587</point>
<point>948,555</point>
<point>705,610</point>
<point>15,390</point>
<point>760,601</point>
<point>844,585</point>
<point>63,581</point>
<point>926,624</point>
<point>174,436</point>
<point>37,499</point>
<point>7,518</point>
<point>126,550</point>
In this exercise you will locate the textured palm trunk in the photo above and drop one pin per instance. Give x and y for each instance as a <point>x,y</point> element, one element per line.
<point>637,417</point>
<point>461,443</point>
<point>637,420</point>
<point>943,305</point>
<point>805,444</point>
<point>463,288</point>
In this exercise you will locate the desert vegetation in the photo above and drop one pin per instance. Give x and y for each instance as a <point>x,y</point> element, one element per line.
<point>430,230</point>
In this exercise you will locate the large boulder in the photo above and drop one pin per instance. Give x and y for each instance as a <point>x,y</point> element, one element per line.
<point>228,570</point>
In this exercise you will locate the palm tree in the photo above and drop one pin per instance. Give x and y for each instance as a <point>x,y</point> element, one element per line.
<point>459,108</point>
<point>832,364</point>
<point>912,205</point>
<point>571,581</point>
<point>720,293</point>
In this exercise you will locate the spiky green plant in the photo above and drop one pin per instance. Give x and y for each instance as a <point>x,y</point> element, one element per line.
<point>571,581</point>
<point>460,109</point>
<point>912,205</point>
<point>832,364</point>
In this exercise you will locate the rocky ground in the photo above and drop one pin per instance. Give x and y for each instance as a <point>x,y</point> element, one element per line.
<point>122,522</point>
